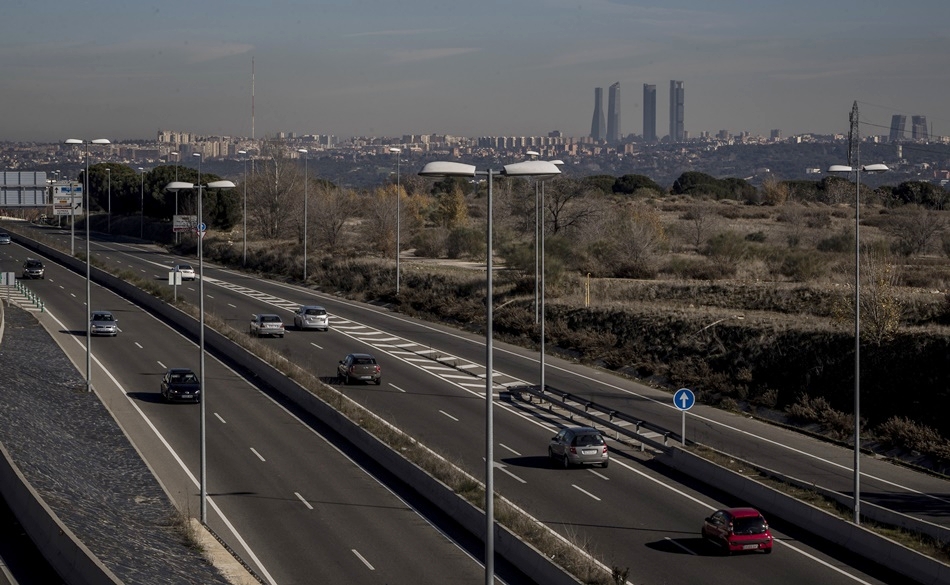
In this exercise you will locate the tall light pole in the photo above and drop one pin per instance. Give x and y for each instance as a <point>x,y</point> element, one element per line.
<point>177,159</point>
<point>542,354</point>
<point>109,176</point>
<point>396,151</point>
<point>877,168</point>
<point>243,154</point>
<point>306,184</point>
<point>88,259</point>
<point>142,206</point>
<point>198,155</point>
<point>537,220</point>
<point>535,168</point>
<point>175,186</point>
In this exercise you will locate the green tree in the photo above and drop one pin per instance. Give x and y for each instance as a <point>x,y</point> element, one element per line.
<point>631,184</point>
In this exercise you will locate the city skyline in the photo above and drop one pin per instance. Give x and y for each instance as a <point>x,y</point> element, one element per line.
<point>111,69</point>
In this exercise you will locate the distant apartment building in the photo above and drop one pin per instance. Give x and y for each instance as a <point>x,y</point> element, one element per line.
<point>898,124</point>
<point>598,125</point>
<point>677,105</point>
<point>649,112</point>
<point>613,114</point>
<point>918,130</point>
<point>775,135</point>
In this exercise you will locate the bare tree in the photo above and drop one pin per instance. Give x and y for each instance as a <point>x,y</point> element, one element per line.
<point>700,221</point>
<point>274,193</point>
<point>914,228</point>
<point>328,217</point>
<point>567,204</point>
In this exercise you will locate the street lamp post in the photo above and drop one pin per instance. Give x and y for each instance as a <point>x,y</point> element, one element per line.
<point>396,151</point>
<point>177,158</point>
<point>534,168</point>
<point>176,186</point>
<point>109,176</point>
<point>142,206</point>
<point>306,181</point>
<point>876,168</point>
<point>558,163</point>
<point>88,260</point>
<point>537,220</point>
<point>243,154</point>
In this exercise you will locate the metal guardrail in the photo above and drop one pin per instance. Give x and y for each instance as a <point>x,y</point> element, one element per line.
<point>595,413</point>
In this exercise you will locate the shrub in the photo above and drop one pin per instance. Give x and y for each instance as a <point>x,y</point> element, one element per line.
<point>465,242</point>
<point>431,243</point>
<point>802,266</point>
<point>841,242</point>
<point>758,236</point>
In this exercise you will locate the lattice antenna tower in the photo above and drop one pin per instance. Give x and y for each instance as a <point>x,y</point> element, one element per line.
<point>854,138</point>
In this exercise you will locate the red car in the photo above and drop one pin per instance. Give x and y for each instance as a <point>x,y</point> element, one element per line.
<point>737,530</point>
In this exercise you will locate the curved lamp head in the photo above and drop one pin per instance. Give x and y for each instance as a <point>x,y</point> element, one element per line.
<point>442,168</point>
<point>533,153</point>
<point>876,168</point>
<point>540,169</point>
<point>242,152</point>
<point>181,185</point>
<point>839,169</point>
<point>303,151</point>
<point>395,150</point>
<point>95,141</point>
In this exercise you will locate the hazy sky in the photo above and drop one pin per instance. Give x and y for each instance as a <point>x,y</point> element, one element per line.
<point>124,69</point>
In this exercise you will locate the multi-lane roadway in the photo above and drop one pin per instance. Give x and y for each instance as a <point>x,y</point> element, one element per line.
<point>273,478</point>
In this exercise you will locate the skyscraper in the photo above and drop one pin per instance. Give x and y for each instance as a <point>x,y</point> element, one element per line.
<point>898,122</point>
<point>677,98</point>
<point>649,112</point>
<point>918,129</point>
<point>613,114</point>
<point>598,128</point>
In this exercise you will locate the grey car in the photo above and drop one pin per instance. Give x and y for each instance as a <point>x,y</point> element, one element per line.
<point>33,268</point>
<point>311,317</point>
<point>361,367</point>
<point>578,446</point>
<point>5,238</point>
<point>103,323</point>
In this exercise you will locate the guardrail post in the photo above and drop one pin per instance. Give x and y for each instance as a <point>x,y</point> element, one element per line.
<point>666,439</point>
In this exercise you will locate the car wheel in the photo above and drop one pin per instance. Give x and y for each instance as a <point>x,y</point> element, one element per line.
<point>566,462</point>
<point>379,381</point>
<point>346,380</point>
<point>552,462</point>
<point>768,551</point>
<point>605,464</point>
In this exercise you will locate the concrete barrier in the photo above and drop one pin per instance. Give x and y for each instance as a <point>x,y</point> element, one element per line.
<point>66,553</point>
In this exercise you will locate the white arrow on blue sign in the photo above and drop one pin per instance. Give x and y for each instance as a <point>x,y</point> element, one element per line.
<point>684,399</point>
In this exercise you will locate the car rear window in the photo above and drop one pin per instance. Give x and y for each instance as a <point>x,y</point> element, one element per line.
<point>316,311</point>
<point>364,361</point>
<point>749,525</point>
<point>588,440</point>
<point>270,318</point>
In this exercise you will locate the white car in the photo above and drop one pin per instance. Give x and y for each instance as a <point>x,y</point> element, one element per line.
<point>311,317</point>
<point>187,272</point>
<point>266,324</point>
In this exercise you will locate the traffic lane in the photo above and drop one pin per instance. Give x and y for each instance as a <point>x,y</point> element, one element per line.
<point>637,515</point>
<point>239,415</point>
<point>317,491</point>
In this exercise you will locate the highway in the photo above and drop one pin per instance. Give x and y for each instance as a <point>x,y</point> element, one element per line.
<point>282,492</point>
<point>634,514</point>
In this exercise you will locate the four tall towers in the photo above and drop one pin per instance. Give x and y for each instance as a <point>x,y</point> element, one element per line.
<point>607,128</point>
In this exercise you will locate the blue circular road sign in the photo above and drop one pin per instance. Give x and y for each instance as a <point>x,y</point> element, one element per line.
<point>684,399</point>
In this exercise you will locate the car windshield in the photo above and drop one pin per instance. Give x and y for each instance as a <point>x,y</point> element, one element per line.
<point>33,263</point>
<point>189,379</point>
<point>749,525</point>
<point>102,317</point>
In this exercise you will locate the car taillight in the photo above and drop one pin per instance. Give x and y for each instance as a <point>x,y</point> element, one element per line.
<point>378,369</point>
<point>574,450</point>
<point>605,449</point>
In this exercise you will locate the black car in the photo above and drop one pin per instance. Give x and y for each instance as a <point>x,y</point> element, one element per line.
<point>181,384</point>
